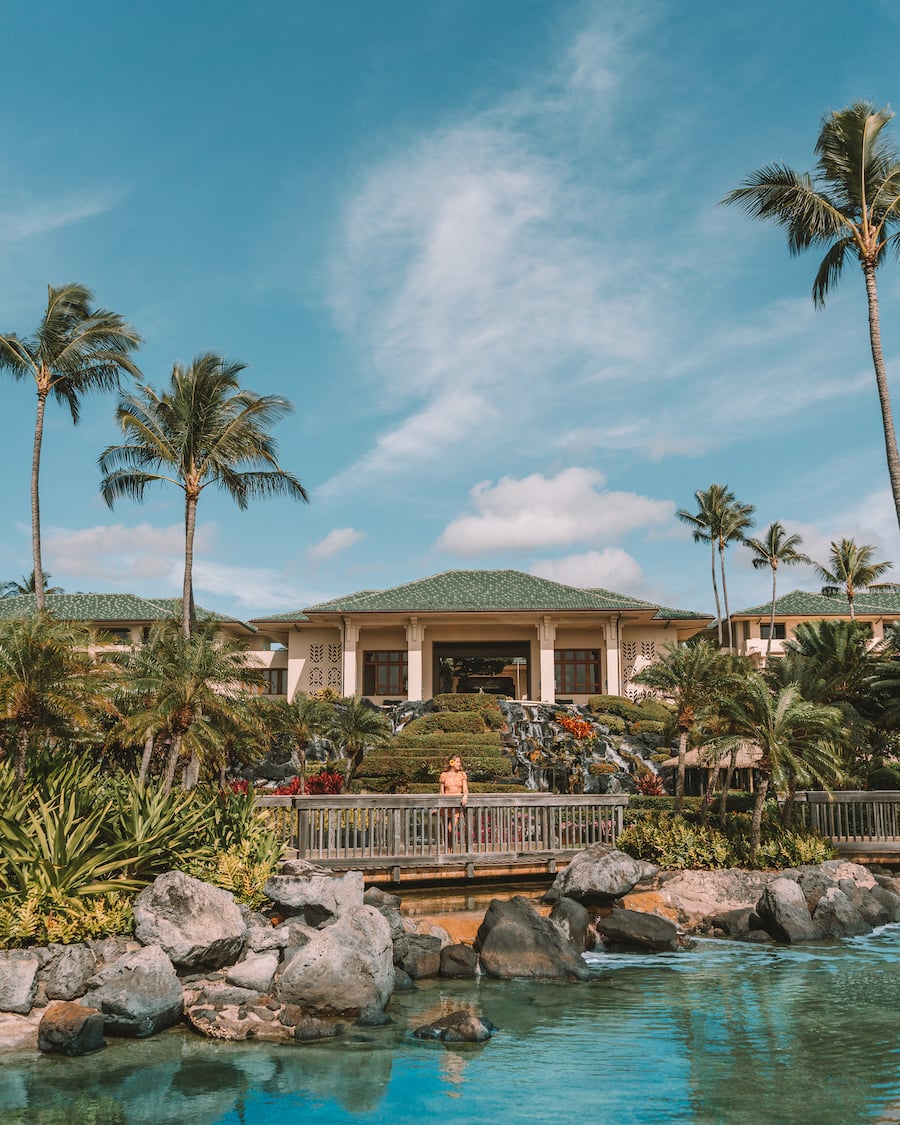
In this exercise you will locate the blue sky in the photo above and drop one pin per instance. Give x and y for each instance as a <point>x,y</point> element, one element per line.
<point>477,244</point>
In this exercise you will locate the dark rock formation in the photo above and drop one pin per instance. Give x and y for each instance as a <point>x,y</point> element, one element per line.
<point>138,994</point>
<point>418,955</point>
<point>71,1029</point>
<point>572,920</point>
<point>598,875</point>
<point>630,929</point>
<point>458,962</point>
<point>457,1027</point>
<point>515,941</point>
<point>784,912</point>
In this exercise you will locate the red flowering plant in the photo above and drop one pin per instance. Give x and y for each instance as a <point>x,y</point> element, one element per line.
<point>325,782</point>
<point>649,784</point>
<point>578,728</point>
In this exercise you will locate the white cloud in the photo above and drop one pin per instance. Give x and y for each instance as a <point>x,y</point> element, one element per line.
<point>539,512</point>
<point>611,568</point>
<point>337,540</point>
<point>21,220</point>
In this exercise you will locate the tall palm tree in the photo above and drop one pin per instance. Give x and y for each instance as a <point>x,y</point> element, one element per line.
<point>776,548</point>
<point>797,739</point>
<point>50,684</point>
<point>849,206</point>
<point>720,519</point>
<point>690,675</point>
<point>75,349</point>
<point>355,728</point>
<point>850,569</point>
<point>188,690</point>
<point>14,589</point>
<point>205,430</point>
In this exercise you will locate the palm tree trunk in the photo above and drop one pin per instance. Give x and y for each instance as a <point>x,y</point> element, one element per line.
<point>679,776</point>
<point>145,759</point>
<point>771,616</point>
<point>174,753</point>
<point>756,822</point>
<point>712,779</point>
<point>726,788</point>
<point>725,597</point>
<point>787,810</point>
<point>712,560</point>
<point>188,614</point>
<point>36,500</point>
<point>192,771</point>
<point>884,396</point>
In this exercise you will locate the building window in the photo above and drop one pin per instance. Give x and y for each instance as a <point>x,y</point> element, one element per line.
<point>777,631</point>
<point>116,636</point>
<point>577,670</point>
<point>275,682</point>
<point>384,673</point>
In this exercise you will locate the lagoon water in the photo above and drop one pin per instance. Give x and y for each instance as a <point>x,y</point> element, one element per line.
<point>728,1033</point>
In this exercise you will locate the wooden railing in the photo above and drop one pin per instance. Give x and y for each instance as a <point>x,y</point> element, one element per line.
<point>401,830</point>
<point>855,820</point>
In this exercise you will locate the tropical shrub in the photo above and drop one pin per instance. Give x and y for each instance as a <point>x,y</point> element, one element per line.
<point>325,782</point>
<point>599,769</point>
<point>648,726</point>
<point>578,728</point>
<point>886,777</point>
<point>650,784</point>
<point>650,708</point>
<point>486,705</point>
<point>614,705</point>
<point>615,724</point>
<point>445,741</point>
<point>446,722</point>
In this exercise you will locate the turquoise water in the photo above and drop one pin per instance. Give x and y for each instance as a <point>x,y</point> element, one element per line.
<point>728,1033</point>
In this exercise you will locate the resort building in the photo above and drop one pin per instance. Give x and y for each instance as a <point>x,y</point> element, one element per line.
<point>878,609</point>
<point>526,637</point>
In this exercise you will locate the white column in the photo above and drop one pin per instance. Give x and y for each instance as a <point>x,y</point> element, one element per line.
<point>546,637</point>
<point>613,660</point>
<point>414,636</point>
<point>349,684</point>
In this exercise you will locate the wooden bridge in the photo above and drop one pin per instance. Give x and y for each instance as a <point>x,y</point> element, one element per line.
<point>863,825</point>
<point>405,838</point>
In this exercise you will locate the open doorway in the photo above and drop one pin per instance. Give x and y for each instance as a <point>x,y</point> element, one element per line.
<point>494,667</point>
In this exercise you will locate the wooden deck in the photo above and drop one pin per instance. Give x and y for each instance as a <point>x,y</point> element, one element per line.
<point>863,825</point>
<point>413,838</point>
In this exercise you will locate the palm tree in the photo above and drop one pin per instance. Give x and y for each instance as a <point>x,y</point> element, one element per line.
<point>204,430</point>
<point>300,720</point>
<point>188,690</point>
<point>49,683</point>
<point>76,349</point>
<point>775,549</point>
<point>691,675</point>
<point>850,569</point>
<point>13,589</point>
<point>355,728</point>
<point>797,739</point>
<point>850,205</point>
<point>719,520</point>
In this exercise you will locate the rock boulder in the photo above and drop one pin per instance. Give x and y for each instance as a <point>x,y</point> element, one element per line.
<point>784,912</point>
<point>70,1029</point>
<point>194,923</point>
<point>629,929</point>
<point>599,874</point>
<point>138,994</point>
<point>457,1027</point>
<point>318,899</point>
<point>515,941</point>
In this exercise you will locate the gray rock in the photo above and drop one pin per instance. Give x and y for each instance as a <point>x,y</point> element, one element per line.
<point>599,874</point>
<point>264,939</point>
<point>784,913</point>
<point>194,923</point>
<point>736,923</point>
<point>378,898</point>
<point>632,929</point>
<point>700,896</point>
<point>138,994</point>
<point>837,917</point>
<point>515,941</point>
<point>223,995</point>
<point>392,914</point>
<point>255,972</point>
<point>403,982</point>
<point>815,879</point>
<point>18,983</point>
<point>459,962</point>
<point>346,967</point>
<point>302,867</point>
<point>418,955</point>
<point>889,901</point>
<point>318,899</point>
<point>457,1027</point>
<point>71,1029</point>
<point>572,920</point>
<point>69,972</point>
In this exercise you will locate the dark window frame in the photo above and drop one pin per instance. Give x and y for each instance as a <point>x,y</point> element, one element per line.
<point>385,671</point>
<point>577,671</point>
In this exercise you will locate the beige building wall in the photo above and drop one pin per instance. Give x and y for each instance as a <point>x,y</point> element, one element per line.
<point>314,660</point>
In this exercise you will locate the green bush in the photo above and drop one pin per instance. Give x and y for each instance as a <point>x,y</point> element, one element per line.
<point>656,709</point>
<point>486,705</point>
<point>648,726</point>
<point>478,767</point>
<point>614,705</point>
<point>615,724</point>
<point>884,778</point>
<point>446,722</point>
<point>447,741</point>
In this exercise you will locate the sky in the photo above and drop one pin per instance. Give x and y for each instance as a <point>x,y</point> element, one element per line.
<point>477,244</point>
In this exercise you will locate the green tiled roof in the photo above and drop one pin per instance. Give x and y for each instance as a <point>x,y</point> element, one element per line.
<point>106,607</point>
<point>805,603</point>
<point>481,591</point>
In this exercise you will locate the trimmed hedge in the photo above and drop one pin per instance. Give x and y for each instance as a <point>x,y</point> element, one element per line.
<point>446,722</point>
<point>383,785</point>
<point>478,767</point>
<point>884,778</point>
<point>648,726</point>
<point>656,709</point>
<point>448,741</point>
<point>614,705</point>
<point>484,704</point>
